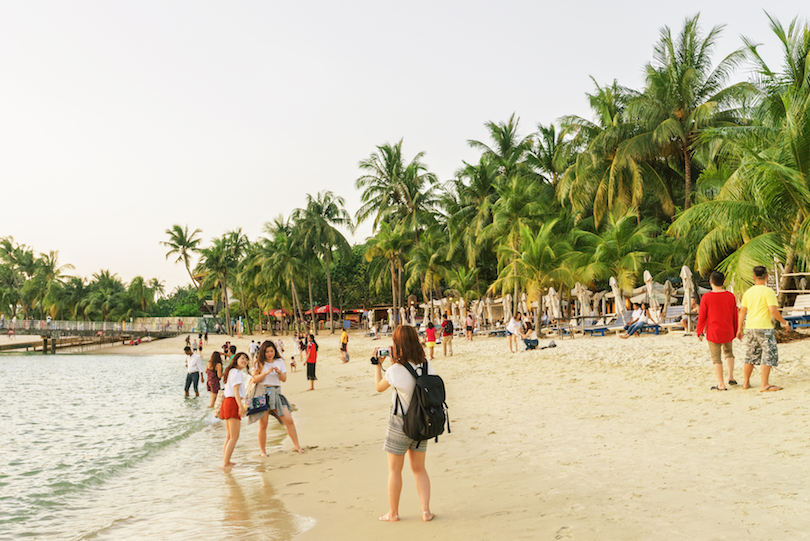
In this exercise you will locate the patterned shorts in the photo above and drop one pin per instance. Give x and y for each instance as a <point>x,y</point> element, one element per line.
<point>761,347</point>
<point>396,442</point>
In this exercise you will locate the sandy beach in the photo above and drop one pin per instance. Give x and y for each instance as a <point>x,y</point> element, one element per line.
<point>598,438</point>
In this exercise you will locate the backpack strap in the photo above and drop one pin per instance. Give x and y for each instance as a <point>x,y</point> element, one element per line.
<point>410,369</point>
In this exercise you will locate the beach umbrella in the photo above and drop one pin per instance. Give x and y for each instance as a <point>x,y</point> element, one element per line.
<point>390,317</point>
<point>617,296</point>
<point>669,290</point>
<point>524,305</point>
<point>426,306</point>
<point>553,303</point>
<point>454,313</point>
<point>688,291</point>
<point>651,300</point>
<point>506,302</point>
<point>489,310</point>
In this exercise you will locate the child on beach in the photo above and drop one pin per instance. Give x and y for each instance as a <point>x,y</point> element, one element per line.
<point>296,352</point>
<point>406,349</point>
<point>233,407</point>
<point>312,358</point>
<point>718,318</point>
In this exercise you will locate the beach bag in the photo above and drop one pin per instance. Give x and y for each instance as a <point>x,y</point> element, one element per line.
<point>344,355</point>
<point>427,413</point>
<point>218,403</point>
<point>257,405</point>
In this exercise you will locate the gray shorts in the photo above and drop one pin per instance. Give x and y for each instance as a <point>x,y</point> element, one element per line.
<point>761,347</point>
<point>396,442</point>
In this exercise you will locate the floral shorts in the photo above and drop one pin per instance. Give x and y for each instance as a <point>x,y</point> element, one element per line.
<point>761,347</point>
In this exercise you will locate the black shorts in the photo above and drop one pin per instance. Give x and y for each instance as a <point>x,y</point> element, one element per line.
<point>311,372</point>
<point>469,327</point>
<point>343,347</point>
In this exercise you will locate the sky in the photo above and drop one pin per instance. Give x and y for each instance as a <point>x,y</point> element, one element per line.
<point>120,119</point>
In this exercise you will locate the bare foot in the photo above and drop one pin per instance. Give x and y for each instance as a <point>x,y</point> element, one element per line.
<point>427,516</point>
<point>746,386</point>
<point>300,450</point>
<point>388,517</point>
<point>263,454</point>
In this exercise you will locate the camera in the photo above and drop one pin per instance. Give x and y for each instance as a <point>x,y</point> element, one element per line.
<point>384,352</point>
<point>374,360</point>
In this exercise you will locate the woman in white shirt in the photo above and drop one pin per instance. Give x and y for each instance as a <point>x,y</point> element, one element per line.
<point>269,371</point>
<point>406,349</point>
<point>232,407</point>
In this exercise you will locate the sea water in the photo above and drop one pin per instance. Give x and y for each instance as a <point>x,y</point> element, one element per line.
<point>107,447</point>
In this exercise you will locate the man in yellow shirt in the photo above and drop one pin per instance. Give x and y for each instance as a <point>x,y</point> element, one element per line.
<point>758,306</point>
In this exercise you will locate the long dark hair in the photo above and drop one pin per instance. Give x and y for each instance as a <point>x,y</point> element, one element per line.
<point>406,339</point>
<point>312,339</point>
<point>216,359</point>
<point>233,364</point>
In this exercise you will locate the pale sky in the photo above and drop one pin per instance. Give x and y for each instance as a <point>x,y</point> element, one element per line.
<point>119,119</point>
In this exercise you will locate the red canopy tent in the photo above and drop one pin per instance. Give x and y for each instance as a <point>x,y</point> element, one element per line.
<point>325,308</point>
<point>276,313</point>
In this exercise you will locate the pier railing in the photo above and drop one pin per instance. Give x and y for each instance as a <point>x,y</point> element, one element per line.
<point>33,326</point>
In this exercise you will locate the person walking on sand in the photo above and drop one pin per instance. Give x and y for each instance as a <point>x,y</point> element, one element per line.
<point>194,368</point>
<point>344,346</point>
<point>718,318</point>
<point>269,371</point>
<point>253,347</point>
<point>233,407</point>
<point>513,330</point>
<point>430,339</point>
<point>312,358</point>
<point>470,324</point>
<point>447,336</point>
<point>406,349</point>
<point>758,305</point>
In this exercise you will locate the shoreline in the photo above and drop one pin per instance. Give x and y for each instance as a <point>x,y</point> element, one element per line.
<point>596,438</point>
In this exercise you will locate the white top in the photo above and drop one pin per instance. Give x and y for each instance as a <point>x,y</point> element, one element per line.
<point>234,379</point>
<point>513,326</point>
<point>532,335</point>
<point>642,318</point>
<point>403,383</point>
<point>194,363</point>
<point>253,348</point>
<point>272,378</point>
<point>637,313</point>
<point>296,347</point>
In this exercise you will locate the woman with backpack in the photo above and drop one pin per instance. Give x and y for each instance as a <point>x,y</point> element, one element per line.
<point>406,349</point>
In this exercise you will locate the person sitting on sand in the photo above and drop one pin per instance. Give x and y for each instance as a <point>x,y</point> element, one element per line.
<point>718,317</point>
<point>758,306</point>
<point>406,349</point>
<point>529,336</point>
<point>639,323</point>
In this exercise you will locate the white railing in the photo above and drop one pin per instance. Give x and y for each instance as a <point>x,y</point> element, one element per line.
<point>93,326</point>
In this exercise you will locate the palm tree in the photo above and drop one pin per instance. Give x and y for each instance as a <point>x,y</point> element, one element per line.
<point>508,149</point>
<point>684,94</point>
<point>394,190</point>
<point>315,230</point>
<point>183,245</point>
<point>390,243</point>
<point>12,254</point>
<point>427,263</point>
<point>217,263</point>
<point>283,259</point>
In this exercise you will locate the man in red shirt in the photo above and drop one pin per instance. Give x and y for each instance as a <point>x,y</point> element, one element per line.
<point>718,318</point>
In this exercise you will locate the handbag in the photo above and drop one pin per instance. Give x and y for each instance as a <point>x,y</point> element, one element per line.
<point>257,405</point>
<point>218,403</point>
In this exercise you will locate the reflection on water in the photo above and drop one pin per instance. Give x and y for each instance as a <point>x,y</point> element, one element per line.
<point>116,452</point>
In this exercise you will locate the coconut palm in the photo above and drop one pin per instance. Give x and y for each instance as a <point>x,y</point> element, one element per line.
<point>315,230</point>
<point>390,244</point>
<point>217,264</point>
<point>684,94</point>
<point>183,245</point>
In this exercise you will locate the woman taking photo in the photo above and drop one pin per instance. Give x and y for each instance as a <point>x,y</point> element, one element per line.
<point>406,349</point>
<point>213,373</point>
<point>269,371</point>
<point>232,407</point>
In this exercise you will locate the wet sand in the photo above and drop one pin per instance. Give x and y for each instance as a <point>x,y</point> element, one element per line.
<point>599,438</point>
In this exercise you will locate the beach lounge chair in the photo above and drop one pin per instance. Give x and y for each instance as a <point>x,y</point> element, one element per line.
<point>798,315</point>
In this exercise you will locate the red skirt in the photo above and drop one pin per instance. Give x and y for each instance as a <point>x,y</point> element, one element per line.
<point>229,409</point>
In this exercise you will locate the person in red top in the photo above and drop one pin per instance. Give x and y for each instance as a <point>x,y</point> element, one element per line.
<point>312,358</point>
<point>718,318</point>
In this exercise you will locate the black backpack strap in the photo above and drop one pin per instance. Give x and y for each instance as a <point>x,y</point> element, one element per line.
<point>398,404</point>
<point>413,372</point>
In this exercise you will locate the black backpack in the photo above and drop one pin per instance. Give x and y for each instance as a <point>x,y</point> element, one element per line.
<point>448,327</point>
<point>427,413</point>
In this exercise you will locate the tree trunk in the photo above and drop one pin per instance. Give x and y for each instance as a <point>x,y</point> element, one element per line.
<point>244,309</point>
<point>227,307</point>
<point>790,258</point>
<point>687,176</point>
<point>329,290</point>
<point>393,293</point>
<point>296,301</point>
<point>311,304</point>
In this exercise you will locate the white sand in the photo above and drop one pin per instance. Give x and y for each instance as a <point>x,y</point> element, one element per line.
<point>599,438</point>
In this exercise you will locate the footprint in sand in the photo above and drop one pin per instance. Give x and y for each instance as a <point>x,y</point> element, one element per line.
<point>565,533</point>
